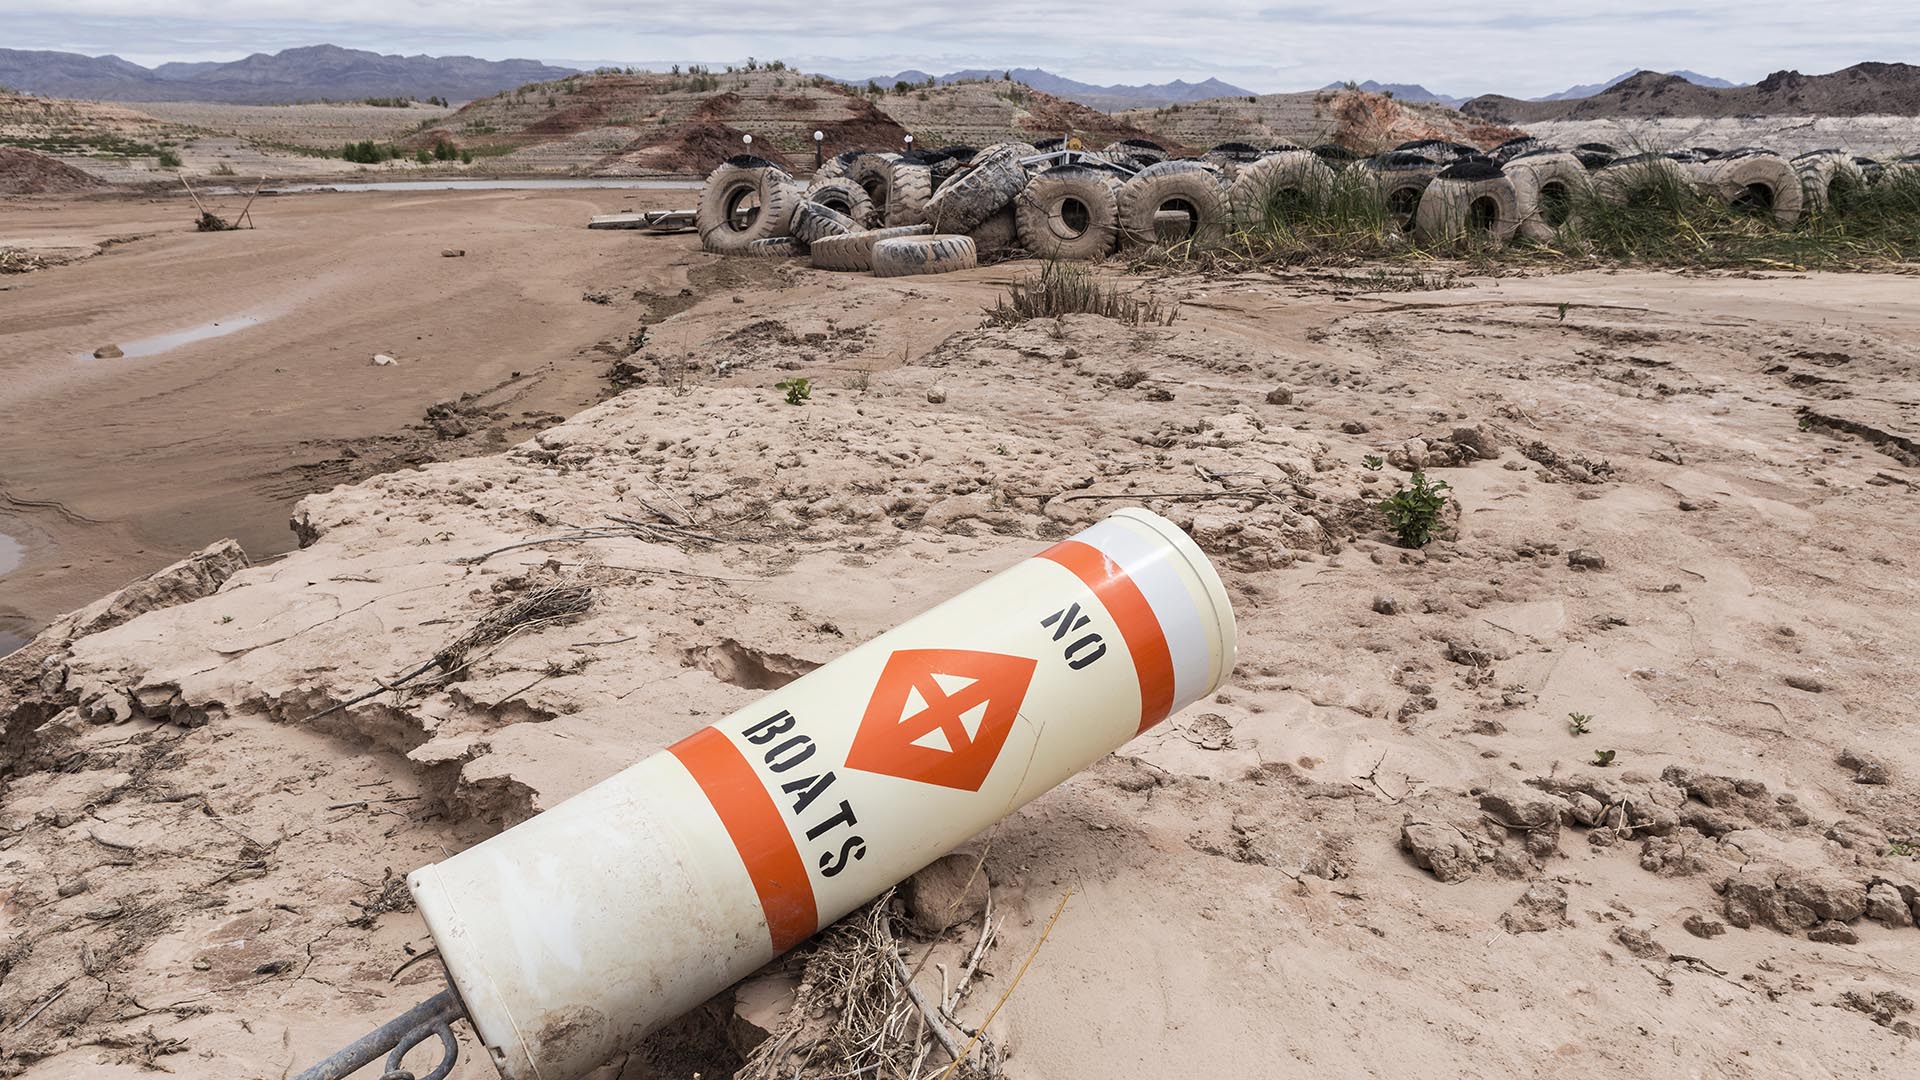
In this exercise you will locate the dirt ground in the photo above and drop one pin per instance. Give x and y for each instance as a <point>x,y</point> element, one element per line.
<point>1682,509</point>
<point>113,468</point>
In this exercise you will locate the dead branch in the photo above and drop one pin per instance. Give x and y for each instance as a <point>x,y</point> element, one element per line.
<point>935,1024</point>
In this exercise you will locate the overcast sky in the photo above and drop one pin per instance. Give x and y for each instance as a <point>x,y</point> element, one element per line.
<point>1523,47</point>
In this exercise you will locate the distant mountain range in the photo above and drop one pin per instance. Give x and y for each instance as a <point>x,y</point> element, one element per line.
<point>329,72</point>
<point>1587,90</point>
<point>1871,89</point>
<point>310,73</point>
<point>1402,92</point>
<point>1416,92</point>
<point>1106,98</point>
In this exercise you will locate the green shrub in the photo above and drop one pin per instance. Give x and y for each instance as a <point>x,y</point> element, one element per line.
<point>168,159</point>
<point>798,390</point>
<point>1413,511</point>
<point>368,152</point>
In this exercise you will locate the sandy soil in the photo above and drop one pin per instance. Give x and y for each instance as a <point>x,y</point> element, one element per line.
<point>1381,851</point>
<point>113,468</point>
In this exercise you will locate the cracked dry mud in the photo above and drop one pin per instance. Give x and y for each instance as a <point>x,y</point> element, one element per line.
<point>1380,850</point>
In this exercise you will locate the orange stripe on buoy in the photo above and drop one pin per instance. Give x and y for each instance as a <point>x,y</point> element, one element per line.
<point>759,834</point>
<point>1128,607</point>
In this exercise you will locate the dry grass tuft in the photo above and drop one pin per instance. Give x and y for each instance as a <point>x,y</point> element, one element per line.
<point>1063,289</point>
<point>852,1016</point>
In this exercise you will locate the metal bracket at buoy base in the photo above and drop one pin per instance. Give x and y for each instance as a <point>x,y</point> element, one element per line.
<point>432,1017</point>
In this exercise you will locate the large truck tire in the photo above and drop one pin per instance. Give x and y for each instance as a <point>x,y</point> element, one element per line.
<point>1399,179</point>
<point>854,251</point>
<point>1191,190</point>
<point>908,188</point>
<point>1070,212</point>
<point>1548,187</point>
<point>727,229</point>
<point>814,222</point>
<point>994,181</point>
<point>1278,187</point>
<point>873,171</point>
<point>998,236</point>
<point>909,256</point>
<point>1469,203</point>
<point>1756,181</point>
<point>844,195</point>
<point>1829,180</point>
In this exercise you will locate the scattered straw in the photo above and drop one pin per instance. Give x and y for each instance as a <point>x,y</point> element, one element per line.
<point>1008,992</point>
<point>857,1014</point>
<point>535,609</point>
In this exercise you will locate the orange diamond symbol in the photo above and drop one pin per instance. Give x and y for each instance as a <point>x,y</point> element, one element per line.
<point>940,716</point>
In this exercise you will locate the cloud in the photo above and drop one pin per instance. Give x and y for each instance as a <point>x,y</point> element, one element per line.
<point>1510,46</point>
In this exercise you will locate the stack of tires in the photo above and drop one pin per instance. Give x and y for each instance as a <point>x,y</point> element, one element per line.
<point>863,212</point>
<point>935,211</point>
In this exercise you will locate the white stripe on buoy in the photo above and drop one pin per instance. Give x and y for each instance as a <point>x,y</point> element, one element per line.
<point>1154,568</point>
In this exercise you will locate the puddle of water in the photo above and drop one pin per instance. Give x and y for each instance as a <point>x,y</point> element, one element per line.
<point>492,185</point>
<point>159,343</point>
<point>13,632</point>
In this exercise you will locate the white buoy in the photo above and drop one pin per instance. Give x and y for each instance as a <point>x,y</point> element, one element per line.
<point>578,932</point>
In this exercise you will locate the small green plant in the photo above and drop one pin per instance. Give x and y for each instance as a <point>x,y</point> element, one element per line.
<point>1562,309</point>
<point>1372,462</point>
<point>860,381</point>
<point>798,390</point>
<point>1901,849</point>
<point>168,159</point>
<point>1603,758</point>
<point>1413,511</point>
<point>1579,723</point>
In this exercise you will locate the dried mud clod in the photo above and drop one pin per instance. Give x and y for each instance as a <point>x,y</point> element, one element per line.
<point>1689,823</point>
